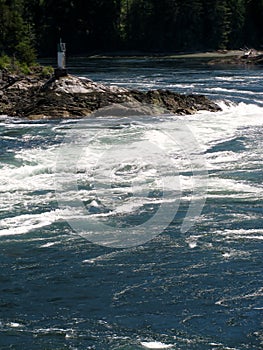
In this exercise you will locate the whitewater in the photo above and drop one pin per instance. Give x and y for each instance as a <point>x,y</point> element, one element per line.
<point>134,232</point>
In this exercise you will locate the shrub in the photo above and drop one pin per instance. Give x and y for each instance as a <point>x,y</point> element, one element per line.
<point>5,62</point>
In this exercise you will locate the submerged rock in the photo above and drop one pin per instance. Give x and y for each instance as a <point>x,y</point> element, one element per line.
<point>72,97</point>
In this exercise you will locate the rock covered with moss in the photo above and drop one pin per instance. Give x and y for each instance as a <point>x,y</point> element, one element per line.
<point>35,97</point>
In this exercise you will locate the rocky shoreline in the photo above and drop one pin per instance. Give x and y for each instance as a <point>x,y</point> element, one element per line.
<point>243,58</point>
<point>37,97</point>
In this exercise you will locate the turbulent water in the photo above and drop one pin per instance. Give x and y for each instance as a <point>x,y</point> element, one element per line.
<point>131,185</point>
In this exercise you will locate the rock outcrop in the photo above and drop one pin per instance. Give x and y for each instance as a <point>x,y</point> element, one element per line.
<point>72,97</point>
<point>249,57</point>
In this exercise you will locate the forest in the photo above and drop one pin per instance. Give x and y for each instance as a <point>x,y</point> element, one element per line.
<point>31,28</point>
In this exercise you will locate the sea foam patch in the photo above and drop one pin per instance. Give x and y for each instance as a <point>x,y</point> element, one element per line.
<point>156,345</point>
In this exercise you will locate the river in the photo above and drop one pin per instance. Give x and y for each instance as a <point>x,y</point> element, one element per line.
<point>140,231</point>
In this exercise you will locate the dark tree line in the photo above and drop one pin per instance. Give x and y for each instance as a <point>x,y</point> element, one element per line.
<point>29,27</point>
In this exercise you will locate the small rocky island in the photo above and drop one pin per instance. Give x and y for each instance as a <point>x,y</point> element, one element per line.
<point>36,96</point>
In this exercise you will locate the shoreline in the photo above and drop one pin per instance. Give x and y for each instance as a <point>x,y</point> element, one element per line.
<point>219,57</point>
<point>250,57</point>
<point>142,55</point>
<point>168,55</point>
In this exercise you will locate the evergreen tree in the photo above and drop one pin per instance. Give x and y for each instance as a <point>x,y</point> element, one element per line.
<point>16,35</point>
<point>253,23</point>
<point>152,25</point>
<point>237,22</point>
<point>139,23</point>
<point>190,25</point>
<point>164,28</point>
<point>217,19</point>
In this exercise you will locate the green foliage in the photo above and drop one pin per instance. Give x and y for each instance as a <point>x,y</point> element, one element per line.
<point>46,71</point>
<point>30,26</point>
<point>190,24</point>
<point>5,62</point>
<point>23,67</point>
<point>16,36</point>
<point>25,51</point>
<point>13,65</point>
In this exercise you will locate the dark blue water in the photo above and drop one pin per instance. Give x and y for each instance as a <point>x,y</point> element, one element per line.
<point>196,290</point>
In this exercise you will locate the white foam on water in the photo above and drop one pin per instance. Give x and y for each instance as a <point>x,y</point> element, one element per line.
<point>30,182</point>
<point>213,128</point>
<point>216,185</point>
<point>156,345</point>
<point>241,234</point>
<point>50,244</point>
<point>14,325</point>
<point>34,171</point>
<point>223,158</point>
<point>240,92</point>
<point>224,347</point>
<point>255,294</point>
<point>22,224</point>
<point>232,78</point>
<point>184,86</point>
<point>232,254</point>
<point>54,330</point>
